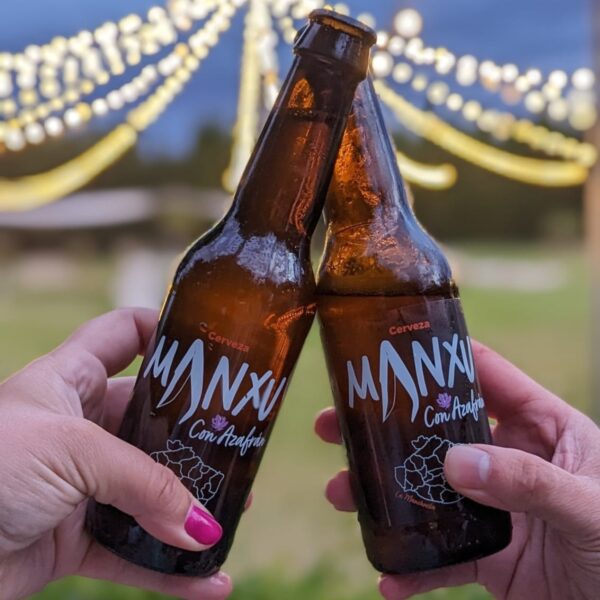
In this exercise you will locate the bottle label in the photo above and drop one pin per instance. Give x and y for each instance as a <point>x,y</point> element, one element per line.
<point>208,394</point>
<point>406,391</point>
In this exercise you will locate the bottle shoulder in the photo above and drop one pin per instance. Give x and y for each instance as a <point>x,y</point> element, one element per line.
<point>249,258</point>
<point>367,259</point>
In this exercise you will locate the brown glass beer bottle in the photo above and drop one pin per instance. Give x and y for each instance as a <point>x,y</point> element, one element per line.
<point>400,362</point>
<point>240,307</point>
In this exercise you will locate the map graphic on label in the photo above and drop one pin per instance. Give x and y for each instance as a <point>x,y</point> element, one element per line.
<point>203,481</point>
<point>422,473</point>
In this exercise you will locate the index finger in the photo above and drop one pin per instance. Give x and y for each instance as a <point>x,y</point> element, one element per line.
<point>103,347</point>
<point>508,392</point>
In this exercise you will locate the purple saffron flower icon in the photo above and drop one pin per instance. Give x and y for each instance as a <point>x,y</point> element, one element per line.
<point>444,400</point>
<point>219,423</point>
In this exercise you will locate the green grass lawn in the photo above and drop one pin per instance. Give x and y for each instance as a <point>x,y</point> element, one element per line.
<point>292,545</point>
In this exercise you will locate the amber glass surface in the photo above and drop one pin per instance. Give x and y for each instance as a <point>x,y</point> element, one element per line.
<point>386,293</point>
<point>240,307</point>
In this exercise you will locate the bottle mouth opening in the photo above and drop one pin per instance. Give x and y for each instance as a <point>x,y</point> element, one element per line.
<point>343,23</point>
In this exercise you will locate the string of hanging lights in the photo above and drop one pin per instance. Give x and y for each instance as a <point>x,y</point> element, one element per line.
<point>42,188</point>
<point>47,90</point>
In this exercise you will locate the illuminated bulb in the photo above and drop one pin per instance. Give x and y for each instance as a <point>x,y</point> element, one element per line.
<point>535,102</point>
<point>402,72</point>
<point>382,63</point>
<point>428,56</point>
<point>587,155</point>
<point>102,78</point>
<point>558,109</point>
<point>100,107</point>
<point>26,79</point>
<point>14,139</point>
<point>553,143</point>
<point>396,45</point>
<point>583,79</point>
<point>129,93</point>
<point>6,61</point>
<point>472,110</point>
<point>54,126</point>
<point>140,85</point>
<point>72,118</point>
<point>522,84</point>
<point>26,117</point>
<point>551,92</point>
<point>9,107</point>
<point>382,39</point>
<point>342,8</point>
<point>33,53</point>
<point>509,72</point>
<point>130,24</point>
<point>34,133</point>
<point>367,18</point>
<point>71,95</point>
<point>42,111</point>
<point>490,73</point>
<point>107,33</point>
<point>57,104</point>
<point>115,100</point>
<point>86,87</point>
<point>445,62</point>
<point>133,58</point>
<point>419,83</point>
<point>454,102</point>
<point>85,38</point>
<point>28,97</point>
<point>558,79</point>
<point>92,63</point>
<point>149,73</point>
<point>6,86</point>
<point>191,62</point>
<point>408,23</point>
<point>466,70</point>
<point>533,77</point>
<point>438,92</point>
<point>117,68</point>
<point>487,120</point>
<point>583,117</point>
<point>156,14</point>
<point>502,127</point>
<point>486,67</point>
<point>414,48</point>
<point>149,48</point>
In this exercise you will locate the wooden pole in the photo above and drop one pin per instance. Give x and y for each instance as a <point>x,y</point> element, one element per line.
<point>592,231</point>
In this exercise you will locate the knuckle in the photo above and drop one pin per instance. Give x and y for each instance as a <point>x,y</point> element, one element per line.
<point>528,477</point>
<point>166,489</point>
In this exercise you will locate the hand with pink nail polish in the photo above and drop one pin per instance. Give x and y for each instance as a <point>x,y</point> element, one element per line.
<point>545,469</point>
<point>57,449</point>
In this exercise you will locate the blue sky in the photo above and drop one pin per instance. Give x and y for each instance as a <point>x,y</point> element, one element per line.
<point>544,33</point>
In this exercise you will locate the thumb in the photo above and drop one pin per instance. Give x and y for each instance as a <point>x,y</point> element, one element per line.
<point>516,481</point>
<point>116,473</point>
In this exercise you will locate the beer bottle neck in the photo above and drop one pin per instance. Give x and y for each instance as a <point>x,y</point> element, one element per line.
<point>285,182</point>
<point>367,189</point>
<point>374,243</point>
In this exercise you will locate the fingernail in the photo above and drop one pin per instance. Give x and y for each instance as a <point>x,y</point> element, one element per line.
<point>385,588</point>
<point>220,580</point>
<point>201,526</point>
<point>216,587</point>
<point>467,467</point>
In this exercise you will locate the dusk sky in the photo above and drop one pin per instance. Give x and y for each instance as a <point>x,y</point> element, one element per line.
<point>543,33</point>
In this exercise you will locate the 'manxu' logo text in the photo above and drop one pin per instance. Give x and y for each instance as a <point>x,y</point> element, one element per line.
<point>263,394</point>
<point>442,360</point>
